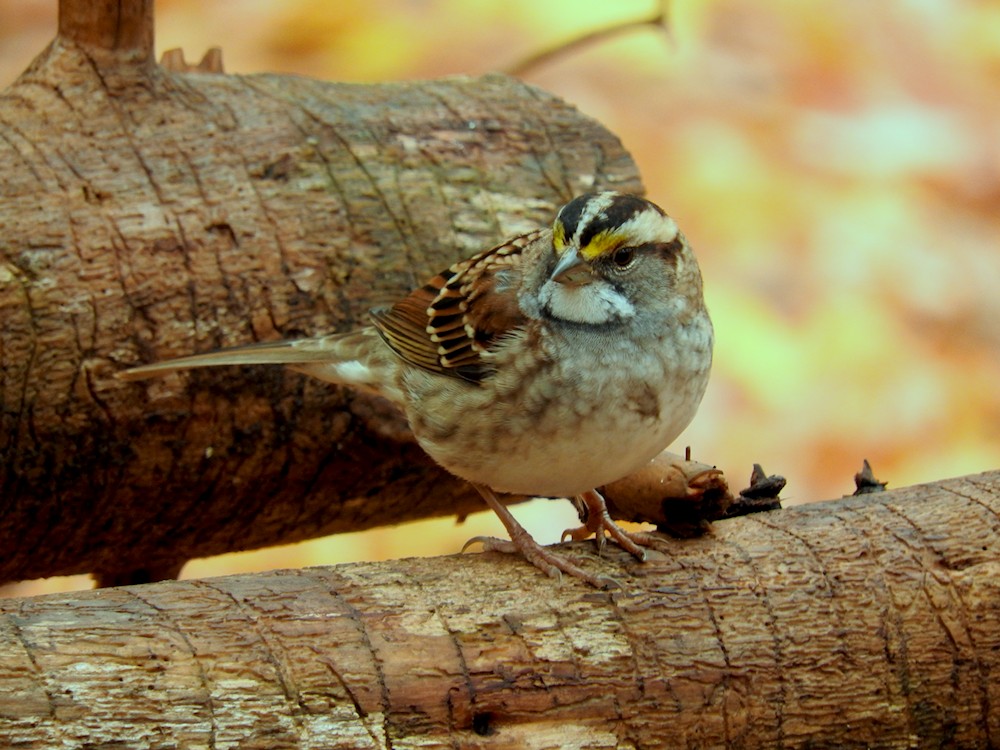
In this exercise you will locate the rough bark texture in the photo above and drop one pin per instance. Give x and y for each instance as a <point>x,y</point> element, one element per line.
<point>866,622</point>
<point>146,214</point>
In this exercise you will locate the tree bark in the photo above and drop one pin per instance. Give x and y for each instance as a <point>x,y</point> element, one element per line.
<point>148,214</point>
<point>865,622</point>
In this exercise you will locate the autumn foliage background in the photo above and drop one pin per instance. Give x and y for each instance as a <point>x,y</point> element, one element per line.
<point>835,165</point>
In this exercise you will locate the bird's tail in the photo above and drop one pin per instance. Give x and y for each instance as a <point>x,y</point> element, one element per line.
<point>358,358</point>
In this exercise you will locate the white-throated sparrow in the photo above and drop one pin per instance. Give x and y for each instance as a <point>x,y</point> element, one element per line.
<point>554,363</point>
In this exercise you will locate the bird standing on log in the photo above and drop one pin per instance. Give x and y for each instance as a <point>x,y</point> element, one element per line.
<point>556,362</point>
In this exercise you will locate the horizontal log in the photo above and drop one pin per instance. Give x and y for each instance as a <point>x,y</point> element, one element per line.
<point>148,213</point>
<point>864,622</point>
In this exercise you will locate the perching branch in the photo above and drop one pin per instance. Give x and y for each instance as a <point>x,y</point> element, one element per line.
<point>864,622</point>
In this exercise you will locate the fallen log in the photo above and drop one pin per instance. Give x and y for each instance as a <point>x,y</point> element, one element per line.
<point>869,621</point>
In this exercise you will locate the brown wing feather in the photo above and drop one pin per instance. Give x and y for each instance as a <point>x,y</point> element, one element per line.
<point>449,323</point>
<point>403,328</point>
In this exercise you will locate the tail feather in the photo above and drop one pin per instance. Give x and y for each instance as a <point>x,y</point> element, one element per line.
<point>293,352</point>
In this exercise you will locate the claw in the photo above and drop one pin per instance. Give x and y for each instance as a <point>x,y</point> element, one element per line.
<point>599,523</point>
<point>491,544</point>
<point>577,535</point>
<point>609,584</point>
<point>649,541</point>
<point>521,541</point>
<point>596,521</point>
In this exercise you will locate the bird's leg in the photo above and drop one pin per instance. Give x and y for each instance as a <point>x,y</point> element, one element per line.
<point>521,541</point>
<point>597,521</point>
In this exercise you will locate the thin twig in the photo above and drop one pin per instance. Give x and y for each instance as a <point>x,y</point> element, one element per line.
<point>659,20</point>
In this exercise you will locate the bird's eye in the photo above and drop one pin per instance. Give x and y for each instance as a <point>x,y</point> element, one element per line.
<point>623,256</point>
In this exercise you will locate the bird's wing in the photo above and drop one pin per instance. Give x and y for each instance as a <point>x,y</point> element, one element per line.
<point>447,325</point>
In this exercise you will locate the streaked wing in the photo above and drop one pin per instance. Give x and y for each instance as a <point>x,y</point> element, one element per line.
<point>448,324</point>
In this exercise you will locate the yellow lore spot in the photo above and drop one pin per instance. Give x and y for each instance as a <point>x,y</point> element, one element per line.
<point>558,236</point>
<point>602,243</point>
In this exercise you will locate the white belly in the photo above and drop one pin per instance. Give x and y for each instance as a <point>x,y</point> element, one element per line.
<point>583,459</point>
<point>558,445</point>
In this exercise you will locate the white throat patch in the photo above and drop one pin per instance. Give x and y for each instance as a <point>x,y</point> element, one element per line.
<point>594,304</point>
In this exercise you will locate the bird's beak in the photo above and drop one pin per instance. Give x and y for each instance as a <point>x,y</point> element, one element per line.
<point>571,269</point>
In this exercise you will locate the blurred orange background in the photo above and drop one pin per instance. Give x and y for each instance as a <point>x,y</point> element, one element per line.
<point>836,167</point>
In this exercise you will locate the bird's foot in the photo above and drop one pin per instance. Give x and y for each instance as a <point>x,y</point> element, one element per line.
<point>596,521</point>
<point>521,542</point>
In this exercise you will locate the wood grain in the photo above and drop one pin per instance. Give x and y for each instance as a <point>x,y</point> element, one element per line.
<point>862,622</point>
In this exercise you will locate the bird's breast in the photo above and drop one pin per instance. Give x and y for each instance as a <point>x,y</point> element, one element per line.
<point>560,425</point>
